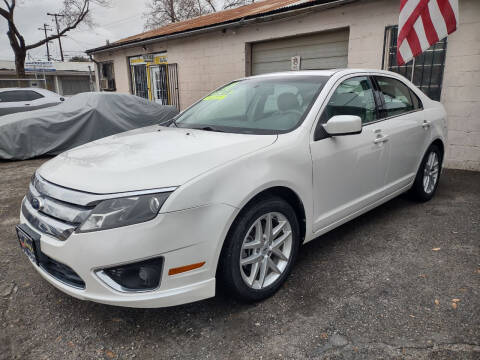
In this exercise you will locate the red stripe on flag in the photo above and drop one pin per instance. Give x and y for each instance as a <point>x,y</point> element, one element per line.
<point>430,31</point>
<point>408,26</point>
<point>448,15</point>
<point>414,43</point>
<point>402,4</point>
<point>400,60</point>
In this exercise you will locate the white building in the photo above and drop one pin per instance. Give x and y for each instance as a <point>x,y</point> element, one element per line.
<point>181,62</point>
<point>64,78</point>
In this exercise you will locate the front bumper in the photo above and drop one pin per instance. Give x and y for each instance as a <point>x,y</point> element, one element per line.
<point>181,238</point>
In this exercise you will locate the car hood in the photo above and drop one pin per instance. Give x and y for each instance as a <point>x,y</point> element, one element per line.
<point>147,158</point>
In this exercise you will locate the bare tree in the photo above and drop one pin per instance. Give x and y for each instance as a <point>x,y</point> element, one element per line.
<point>236,3</point>
<point>74,13</point>
<point>163,12</point>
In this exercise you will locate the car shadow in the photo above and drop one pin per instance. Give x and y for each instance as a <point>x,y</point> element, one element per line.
<point>223,306</point>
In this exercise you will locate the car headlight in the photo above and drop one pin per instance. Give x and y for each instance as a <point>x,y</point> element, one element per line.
<point>113,213</point>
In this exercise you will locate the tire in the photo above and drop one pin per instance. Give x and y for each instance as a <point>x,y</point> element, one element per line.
<point>423,190</point>
<point>244,282</point>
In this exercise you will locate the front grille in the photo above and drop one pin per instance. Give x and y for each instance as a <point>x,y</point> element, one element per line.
<point>60,271</point>
<point>46,210</point>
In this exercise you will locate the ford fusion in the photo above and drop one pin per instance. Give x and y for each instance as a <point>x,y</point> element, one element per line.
<point>226,194</point>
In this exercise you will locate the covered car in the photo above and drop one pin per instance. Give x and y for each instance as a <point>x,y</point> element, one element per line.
<point>82,118</point>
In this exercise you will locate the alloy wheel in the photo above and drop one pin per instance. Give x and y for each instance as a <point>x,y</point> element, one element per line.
<point>430,173</point>
<point>266,250</point>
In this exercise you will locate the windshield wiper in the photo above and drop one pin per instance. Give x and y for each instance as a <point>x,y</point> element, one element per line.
<point>209,128</point>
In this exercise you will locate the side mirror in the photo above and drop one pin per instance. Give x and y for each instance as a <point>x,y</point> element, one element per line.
<point>343,125</point>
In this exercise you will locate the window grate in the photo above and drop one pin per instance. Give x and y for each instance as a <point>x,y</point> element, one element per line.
<point>425,71</point>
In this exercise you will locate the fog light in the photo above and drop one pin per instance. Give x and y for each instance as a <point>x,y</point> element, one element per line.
<point>139,276</point>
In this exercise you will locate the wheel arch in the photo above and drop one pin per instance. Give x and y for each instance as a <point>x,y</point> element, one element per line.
<point>438,142</point>
<point>284,192</point>
<point>287,194</point>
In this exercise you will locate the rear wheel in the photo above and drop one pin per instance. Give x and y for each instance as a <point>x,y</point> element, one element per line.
<point>428,175</point>
<point>260,250</point>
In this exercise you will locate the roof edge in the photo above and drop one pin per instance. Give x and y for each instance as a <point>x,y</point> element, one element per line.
<point>318,4</point>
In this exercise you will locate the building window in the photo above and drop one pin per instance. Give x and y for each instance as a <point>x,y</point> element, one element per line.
<point>153,78</point>
<point>107,76</point>
<point>425,71</point>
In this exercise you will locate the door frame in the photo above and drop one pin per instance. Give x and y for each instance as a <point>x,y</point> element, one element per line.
<point>317,228</point>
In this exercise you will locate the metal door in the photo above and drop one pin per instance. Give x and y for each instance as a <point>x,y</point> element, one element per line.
<point>140,85</point>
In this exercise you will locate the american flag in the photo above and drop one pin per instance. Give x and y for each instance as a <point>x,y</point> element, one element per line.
<point>422,23</point>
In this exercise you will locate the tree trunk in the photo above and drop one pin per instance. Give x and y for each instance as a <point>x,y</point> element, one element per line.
<point>20,55</point>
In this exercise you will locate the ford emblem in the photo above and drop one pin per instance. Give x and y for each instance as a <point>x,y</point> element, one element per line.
<point>37,203</point>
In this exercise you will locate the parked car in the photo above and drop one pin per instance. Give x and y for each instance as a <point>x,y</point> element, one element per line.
<point>157,216</point>
<point>14,100</point>
<point>82,118</point>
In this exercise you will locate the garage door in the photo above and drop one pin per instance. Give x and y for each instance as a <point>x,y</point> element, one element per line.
<point>318,51</point>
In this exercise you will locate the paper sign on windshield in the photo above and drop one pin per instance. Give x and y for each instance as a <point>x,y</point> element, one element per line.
<point>222,93</point>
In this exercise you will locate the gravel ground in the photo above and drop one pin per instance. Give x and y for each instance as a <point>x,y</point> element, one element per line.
<point>401,282</point>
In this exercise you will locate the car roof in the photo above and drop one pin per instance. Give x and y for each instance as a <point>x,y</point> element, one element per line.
<point>330,72</point>
<point>40,90</point>
<point>296,73</point>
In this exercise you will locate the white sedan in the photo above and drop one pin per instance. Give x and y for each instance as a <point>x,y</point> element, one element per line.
<point>13,100</point>
<point>227,194</point>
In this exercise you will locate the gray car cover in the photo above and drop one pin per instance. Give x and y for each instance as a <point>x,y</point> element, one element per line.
<point>82,118</point>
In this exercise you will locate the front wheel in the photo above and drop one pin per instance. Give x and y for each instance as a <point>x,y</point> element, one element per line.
<point>260,250</point>
<point>428,175</point>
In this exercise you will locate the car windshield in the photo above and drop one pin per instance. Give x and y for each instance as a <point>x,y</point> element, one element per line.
<point>266,105</point>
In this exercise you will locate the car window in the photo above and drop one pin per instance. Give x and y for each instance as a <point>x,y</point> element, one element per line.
<point>353,96</point>
<point>271,103</point>
<point>396,96</point>
<point>417,103</point>
<point>265,105</point>
<point>19,95</point>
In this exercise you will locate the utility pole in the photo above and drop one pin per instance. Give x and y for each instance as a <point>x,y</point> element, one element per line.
<point>58,31</point>
<point>45,29</point>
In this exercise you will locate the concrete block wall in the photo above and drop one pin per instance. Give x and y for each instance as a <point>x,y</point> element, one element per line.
<point>209,60</point>
<point>461,89</point>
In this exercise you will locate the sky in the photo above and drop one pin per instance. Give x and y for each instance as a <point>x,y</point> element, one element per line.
<point>123,18</point>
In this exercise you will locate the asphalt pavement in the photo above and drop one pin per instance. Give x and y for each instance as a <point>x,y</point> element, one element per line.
<point>400,282</point>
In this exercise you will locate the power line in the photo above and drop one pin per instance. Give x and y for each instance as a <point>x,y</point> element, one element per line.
<point>82,43</point>
<point>121,20</point>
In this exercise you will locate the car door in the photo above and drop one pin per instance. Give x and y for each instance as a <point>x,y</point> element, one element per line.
<point>406,128</point>
<point>348,171</point>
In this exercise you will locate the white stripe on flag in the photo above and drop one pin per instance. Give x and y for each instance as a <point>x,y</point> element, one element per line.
<point>454,5</point>
<point>420,30</point>
<point>406,12</point>
<point>405,51</point>
<point>437,19</point>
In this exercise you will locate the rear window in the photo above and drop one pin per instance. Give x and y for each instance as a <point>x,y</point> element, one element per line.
<point>19,95</point>
<point>396,96</point>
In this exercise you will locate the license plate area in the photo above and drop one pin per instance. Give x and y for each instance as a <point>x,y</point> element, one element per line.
<point>28,243</point>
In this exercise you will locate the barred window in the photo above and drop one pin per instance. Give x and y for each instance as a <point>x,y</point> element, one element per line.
<point>425,70</point>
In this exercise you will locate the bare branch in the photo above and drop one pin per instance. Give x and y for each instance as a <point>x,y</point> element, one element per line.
<point>9,6</point>
<point>4,13</point>
<point>74,13</point>
<point>62,32</point>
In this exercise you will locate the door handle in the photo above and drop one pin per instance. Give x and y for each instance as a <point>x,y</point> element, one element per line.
<point>426,124</point>
<point>380,139</point>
